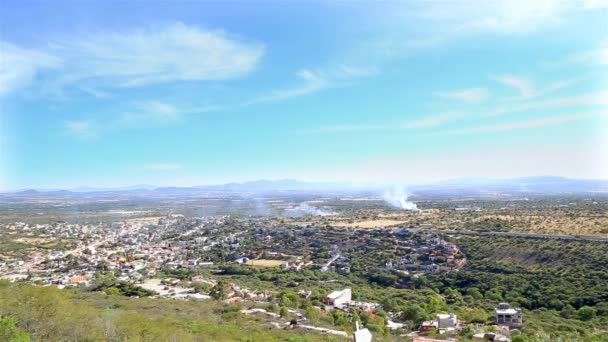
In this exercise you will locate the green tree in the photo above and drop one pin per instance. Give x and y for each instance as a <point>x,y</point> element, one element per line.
<point>220,290</point>
<point>339,318</point>
<point>586,313</point>
<point>475,293</point>
<point>311,313</point>
<point>10,332</point>
<point>112,291</point>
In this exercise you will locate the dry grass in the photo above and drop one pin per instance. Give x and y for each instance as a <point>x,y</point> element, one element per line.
<point>33,241</point>
<point>369,223</point>
<point>265,263</point>
<point>577,221</point>
<point>555,224</point>
<point>144,219</point>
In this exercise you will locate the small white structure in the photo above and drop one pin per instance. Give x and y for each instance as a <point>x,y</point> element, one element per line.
<point>361,335</point>
<point>339,299</point>
<point>241,260</point>
<point>445,321</point>
<point>506,315</point>
<point>394,325</point>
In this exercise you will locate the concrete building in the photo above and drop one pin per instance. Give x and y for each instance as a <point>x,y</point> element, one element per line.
<point>427,326</point>
<point>361,335</point>
<point>445,321</point>
<point>504,314</point>
<point>339,299</point>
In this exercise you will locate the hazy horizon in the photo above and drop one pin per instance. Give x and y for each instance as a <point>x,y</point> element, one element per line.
<point>344,185</point>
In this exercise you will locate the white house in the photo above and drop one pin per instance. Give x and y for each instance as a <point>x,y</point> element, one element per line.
<point>506,315</point>
<point>361,335</point>
<point>339,299</point>
<point>445,321</point>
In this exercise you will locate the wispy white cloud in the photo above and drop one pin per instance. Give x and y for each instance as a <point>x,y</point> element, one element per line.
<point>466,95</point>
<point>175,52</point>
<point>595,4</point>
<point>502,16</point>
<point>534,123</point>
<point>442,21</point>
<point>597,56</point>
<point>344,71</point>
<point>433,120</point>
<point>151,112</point>
<point>599,98</point>
<point>600,55</point>
<point>166,53</point>
<point>400,29</point>
<point>20,66</point>
<point>584,160</point>
<point>512,16</point>
<point>353,127</point>
<point>82,129</point>
<point>163,166</point>
<point>142,114</point>
<point>312,81</point>
<point>424,122</point>
<point>95,92</point>
<point>557,85</point>
<point>522,85</point>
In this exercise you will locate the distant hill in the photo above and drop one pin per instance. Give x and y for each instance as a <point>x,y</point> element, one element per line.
<point>465,186</point>
<point>278,185</point>
<point>124,188</point>
<point>537,185</point>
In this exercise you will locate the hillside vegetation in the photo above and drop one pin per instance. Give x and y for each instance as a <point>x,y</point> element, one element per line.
<point>32,313</point>
<point>563,284</point>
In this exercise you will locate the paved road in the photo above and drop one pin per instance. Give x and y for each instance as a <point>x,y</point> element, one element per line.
<point>325,268</point>
<point>523,235</point>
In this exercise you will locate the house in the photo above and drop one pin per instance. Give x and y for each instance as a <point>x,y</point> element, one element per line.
<point>241,260</point>
<point>504,314</point>
<point>339,299</point>
<point>446,321</point>
<point>428,325</point>
<point>78,279</point>
<point>394,325</point>
<point>292,266</point>
<point>361,335</point>
<point>305,294</point>
<point>450,247</point>
<point>365,306</point>
<point>343,270</point>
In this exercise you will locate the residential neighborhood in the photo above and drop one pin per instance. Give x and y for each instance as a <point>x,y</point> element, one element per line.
<point>153,254</point>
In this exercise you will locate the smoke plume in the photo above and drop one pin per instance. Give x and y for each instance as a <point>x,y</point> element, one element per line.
<point>397,197</point>
<point>305,209</point>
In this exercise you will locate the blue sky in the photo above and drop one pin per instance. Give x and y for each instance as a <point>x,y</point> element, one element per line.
<point>189,93</point>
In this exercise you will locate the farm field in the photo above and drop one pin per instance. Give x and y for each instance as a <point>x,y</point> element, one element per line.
<point>369,223</point>
<point>265,263</point>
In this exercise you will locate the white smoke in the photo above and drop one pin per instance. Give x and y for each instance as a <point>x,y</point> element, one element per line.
<point>397,197</point>
<point>306,209</point>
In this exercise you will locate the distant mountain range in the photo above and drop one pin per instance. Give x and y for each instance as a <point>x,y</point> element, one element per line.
<point>537,185</point>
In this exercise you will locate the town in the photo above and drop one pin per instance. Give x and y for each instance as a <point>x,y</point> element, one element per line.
<point>184,258</point>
